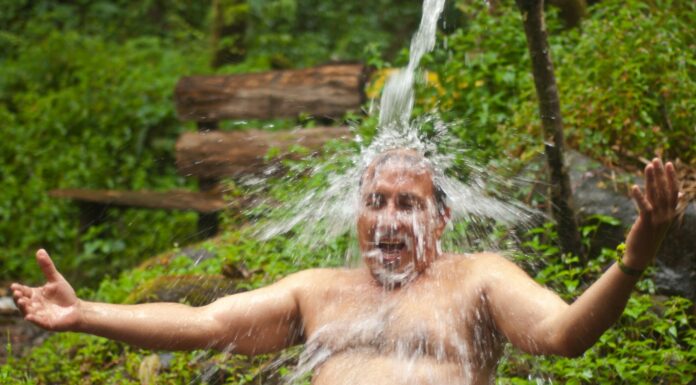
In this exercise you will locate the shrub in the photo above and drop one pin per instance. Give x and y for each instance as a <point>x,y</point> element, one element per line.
<point>82,112</point>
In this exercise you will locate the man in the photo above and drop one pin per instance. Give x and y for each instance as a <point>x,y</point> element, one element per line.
<point>413,315</point>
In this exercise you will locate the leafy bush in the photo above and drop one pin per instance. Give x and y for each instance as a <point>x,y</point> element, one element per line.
<point>24,21</point>
<point>626,81</point>
<point>82,112</point>
<point>300,33</point>
<point>652,342</point>
<point>483,74</point>
<point>100,97</point>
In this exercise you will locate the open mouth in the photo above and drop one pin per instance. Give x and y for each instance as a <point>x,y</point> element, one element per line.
<point>391,246</point>
<point>388,250</point>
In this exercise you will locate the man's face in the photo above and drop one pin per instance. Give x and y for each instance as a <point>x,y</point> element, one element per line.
<point>398,222</point>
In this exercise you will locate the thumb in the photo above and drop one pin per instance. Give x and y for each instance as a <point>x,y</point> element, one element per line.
<point>47,266</point>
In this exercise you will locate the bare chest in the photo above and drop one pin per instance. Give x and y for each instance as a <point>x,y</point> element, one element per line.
<point>426,320</point>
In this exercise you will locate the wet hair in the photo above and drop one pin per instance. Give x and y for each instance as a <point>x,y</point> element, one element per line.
<point>407,157</point>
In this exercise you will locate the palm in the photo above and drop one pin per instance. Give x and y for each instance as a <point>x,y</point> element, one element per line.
<point>657,210</point>
<point>52,306</point>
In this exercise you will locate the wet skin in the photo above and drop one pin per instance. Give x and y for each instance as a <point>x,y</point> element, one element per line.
<point>437,329</point>
<point>398,222</point>
<point>444,323</point>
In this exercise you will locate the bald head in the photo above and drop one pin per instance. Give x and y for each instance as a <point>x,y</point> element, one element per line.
<point>406,159</point>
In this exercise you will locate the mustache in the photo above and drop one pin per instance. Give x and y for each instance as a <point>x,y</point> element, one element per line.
<point>389,235</point>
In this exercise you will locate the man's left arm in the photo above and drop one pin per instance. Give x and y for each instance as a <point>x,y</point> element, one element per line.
<point>538,321</point>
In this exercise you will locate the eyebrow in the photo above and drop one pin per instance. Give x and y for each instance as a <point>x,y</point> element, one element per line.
<point>411,197</point>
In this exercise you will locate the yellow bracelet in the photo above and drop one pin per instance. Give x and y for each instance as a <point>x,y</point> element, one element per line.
<point>620,251</point>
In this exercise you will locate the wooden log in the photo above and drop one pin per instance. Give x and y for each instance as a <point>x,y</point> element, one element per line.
<point>169,200</point>
<point>324,91</point>
<point>217,154</point>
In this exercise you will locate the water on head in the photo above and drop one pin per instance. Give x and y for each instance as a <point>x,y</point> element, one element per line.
<point>401,216</point>
<point>398,146</point>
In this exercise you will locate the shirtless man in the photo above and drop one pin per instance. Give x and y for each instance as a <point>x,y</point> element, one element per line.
<point>412,315</point>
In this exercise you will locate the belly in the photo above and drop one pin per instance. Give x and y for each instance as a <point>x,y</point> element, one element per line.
<point>355,367</point>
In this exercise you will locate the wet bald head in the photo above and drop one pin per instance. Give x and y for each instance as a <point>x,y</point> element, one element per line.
<point>407,159</point>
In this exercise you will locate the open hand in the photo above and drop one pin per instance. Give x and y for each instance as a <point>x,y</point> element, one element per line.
<point>657,208</point>
<point>53,306</point>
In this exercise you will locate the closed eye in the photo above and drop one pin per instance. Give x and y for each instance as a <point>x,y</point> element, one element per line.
<point>374,200</point>
<point>410,202</point>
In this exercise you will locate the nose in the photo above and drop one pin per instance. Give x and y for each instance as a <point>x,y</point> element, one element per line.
<point>390,220</point>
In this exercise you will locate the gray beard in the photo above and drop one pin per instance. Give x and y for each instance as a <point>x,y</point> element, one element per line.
<point>390,279</point>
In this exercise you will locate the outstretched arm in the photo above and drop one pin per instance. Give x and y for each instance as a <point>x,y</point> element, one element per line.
<point>538,321</point>
<point>253,322</point>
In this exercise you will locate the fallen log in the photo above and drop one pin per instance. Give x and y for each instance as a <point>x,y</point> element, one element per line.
<point>202,202</point>
<point>218,154</point>
<point>324,91</point>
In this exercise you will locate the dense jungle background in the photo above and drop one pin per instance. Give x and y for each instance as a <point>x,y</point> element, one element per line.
<point>86,101</point>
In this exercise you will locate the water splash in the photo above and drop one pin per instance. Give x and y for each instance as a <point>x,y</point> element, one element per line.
<point>324,214</point>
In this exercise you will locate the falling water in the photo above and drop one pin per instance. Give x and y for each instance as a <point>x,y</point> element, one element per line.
<point>325,214</point>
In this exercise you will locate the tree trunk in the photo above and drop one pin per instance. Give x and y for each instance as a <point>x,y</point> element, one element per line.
<point>229,31</point>
<point>552,124</point>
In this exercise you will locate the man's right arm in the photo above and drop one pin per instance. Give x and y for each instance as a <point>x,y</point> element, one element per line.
<point>253,322</point>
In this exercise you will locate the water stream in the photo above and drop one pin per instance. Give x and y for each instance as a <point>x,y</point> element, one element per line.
<point>324,214</point>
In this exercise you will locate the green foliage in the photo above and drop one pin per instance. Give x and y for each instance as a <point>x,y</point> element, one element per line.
<point>85,100</point>
<point>24,21</point>
<point>79,111</point>
<point>626,81</point>
<point>483,74</point>
<point>300,33</point>
<point>651,343</point>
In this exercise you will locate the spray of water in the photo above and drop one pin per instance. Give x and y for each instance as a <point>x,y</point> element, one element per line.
<point>327,213</point>
<point>324,214</point>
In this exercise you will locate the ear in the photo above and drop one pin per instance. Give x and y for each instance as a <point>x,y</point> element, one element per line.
<point>443,219</point>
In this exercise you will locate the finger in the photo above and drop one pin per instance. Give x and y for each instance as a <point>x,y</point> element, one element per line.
<point>661,195</point>
<point>643,205</point>
<point>46,265</point>
<point>672,183</point>
<point>650,183</point>
<point>24,290</point>
<point>22,304</point>
<point>31,318</point>
<point>17,295</point>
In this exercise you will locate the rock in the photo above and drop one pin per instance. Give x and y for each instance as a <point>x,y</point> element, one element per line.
<point>7,306</point>
<point>196,290</point>
<point>148,370</point>
<point>19,335</point>
<point>676,260</point>
<point>599,190</point>
<point>197,254</point>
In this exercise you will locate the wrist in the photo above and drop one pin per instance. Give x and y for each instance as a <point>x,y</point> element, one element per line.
<point>80,323</point>
<point>627,264</point>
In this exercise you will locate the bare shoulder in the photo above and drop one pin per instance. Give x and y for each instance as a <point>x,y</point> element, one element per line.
<point>315,280</point>
<point>485,267</point>
<point>478,261</point>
